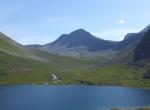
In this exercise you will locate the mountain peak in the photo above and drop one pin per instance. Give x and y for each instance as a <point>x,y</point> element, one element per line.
<point>81,39</point>
<point>79,31</point>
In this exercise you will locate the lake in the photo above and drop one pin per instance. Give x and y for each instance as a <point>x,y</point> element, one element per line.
<point>73,97</point>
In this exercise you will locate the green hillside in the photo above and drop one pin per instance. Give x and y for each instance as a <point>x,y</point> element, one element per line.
<point>8,45</point>
<point>16,69</point>
<point>20,65</point>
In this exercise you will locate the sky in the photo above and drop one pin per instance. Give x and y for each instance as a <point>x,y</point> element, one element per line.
<point>43,21</point>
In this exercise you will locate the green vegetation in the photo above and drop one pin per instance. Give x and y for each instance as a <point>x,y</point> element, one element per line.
<point>19,65</point>
<point>9,45</point>
<point>18,70</point>
<point>109,75</point>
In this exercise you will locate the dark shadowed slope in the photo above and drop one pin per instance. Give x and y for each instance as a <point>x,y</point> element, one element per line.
<point>143,48</point>
<point>130,40</point>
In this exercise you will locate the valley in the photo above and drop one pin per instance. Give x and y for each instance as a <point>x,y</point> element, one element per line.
<point>94,62</point>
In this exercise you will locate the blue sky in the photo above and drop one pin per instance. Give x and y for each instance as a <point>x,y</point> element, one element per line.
<point>43,21</point>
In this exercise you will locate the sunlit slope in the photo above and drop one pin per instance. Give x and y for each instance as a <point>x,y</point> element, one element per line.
<point>19,64</point>
<point>10,46</point>
<point>15,69</point>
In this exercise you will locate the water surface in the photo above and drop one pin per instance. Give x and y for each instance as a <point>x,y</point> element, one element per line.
<point>75,97</point>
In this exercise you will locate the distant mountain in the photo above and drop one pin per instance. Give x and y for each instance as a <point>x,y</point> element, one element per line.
<point>78,43</point>
<point>142,49</point>
<point>82,43</point>
<point>81,39</point>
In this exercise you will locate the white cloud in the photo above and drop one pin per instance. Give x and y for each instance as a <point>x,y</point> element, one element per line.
<point>122,21</point>
<point>114,34</point>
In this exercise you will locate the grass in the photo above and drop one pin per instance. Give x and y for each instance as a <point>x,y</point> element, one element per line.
<point>109,75</point>
<point>19,69</point>
<point>14,69</point>
<point>9,45</point>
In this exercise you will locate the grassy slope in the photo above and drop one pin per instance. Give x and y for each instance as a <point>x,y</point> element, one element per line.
<point>9,45</point>
<point>17,68</point>
<point>16,65</point>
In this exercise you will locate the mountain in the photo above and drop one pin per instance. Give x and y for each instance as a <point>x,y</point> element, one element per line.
<point>79,42</point>
<point>142,49</point>
<point>82,43</point>
<point>82,38</point>
<point>21,64</point>
<point>130,40</point>
<point>131,48</point>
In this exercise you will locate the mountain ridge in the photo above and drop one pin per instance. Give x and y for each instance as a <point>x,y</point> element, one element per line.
<point>82,43</point>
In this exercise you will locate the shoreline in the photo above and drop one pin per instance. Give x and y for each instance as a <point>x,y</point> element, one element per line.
<point>84,85</point>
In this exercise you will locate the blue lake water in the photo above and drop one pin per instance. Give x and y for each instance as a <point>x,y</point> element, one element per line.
<point>74,97</point>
